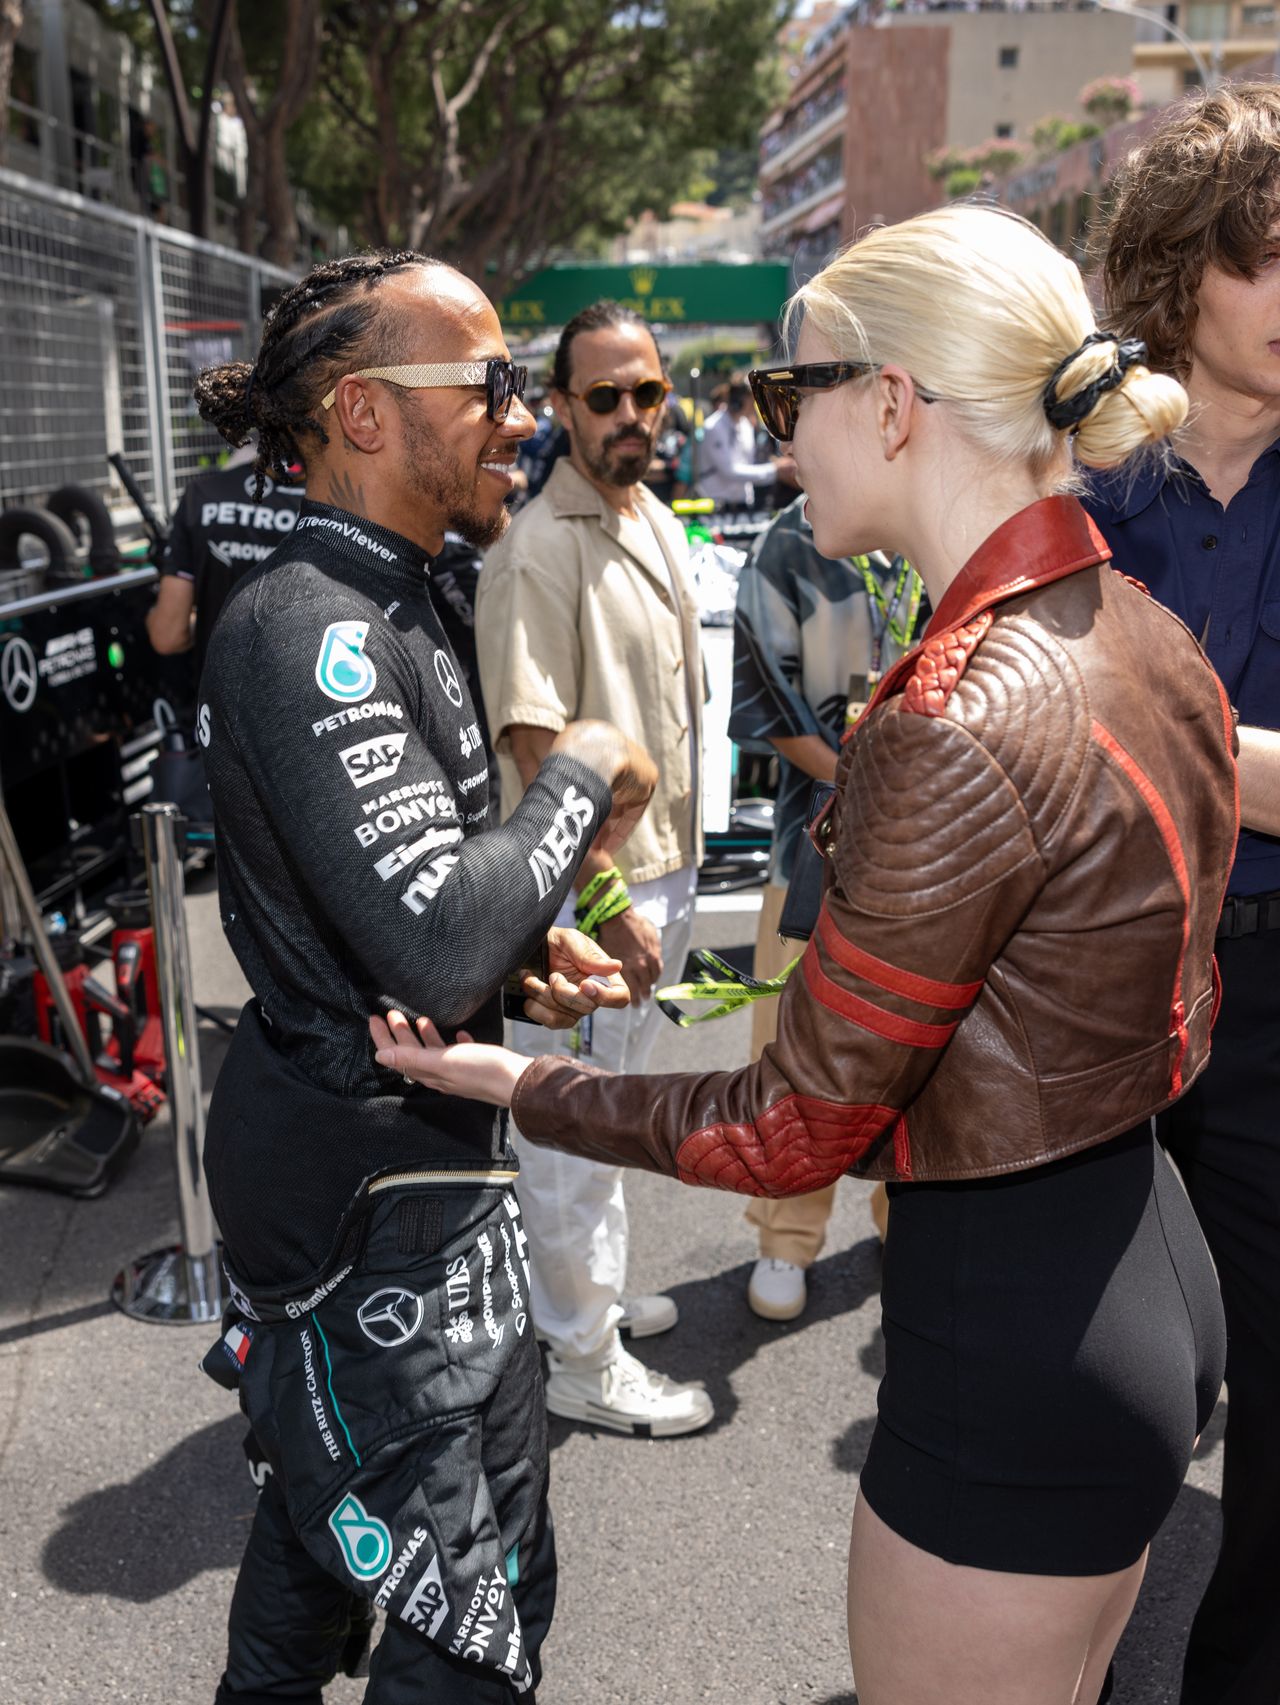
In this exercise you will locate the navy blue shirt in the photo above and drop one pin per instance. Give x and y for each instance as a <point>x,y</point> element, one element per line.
<point>1219,569</point>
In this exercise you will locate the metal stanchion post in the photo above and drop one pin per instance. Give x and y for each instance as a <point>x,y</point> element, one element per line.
<point>181,1285</point>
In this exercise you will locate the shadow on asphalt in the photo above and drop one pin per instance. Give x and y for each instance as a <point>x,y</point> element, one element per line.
<point>1149,1656</point>
<point>54,1322</point>
<point>143,1538</point>
<point>717,1333</point>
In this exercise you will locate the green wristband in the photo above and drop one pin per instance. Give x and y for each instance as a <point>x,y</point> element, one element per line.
<point>597,882</point>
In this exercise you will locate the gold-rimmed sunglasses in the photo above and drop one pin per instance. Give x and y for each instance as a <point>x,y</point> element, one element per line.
<point>604,396</point>
<point>503,381</point>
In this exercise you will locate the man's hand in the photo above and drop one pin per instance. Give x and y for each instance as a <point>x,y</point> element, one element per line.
<point>581,977</point>
<point>635,942</point>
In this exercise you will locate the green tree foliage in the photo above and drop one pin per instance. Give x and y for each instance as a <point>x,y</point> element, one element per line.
<point>494,132</point>
<point>1054,134</point>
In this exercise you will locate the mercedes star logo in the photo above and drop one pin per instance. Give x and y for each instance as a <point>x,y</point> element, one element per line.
<point>390,1317</point>
<point>447,676</point>
<point>18,675</point>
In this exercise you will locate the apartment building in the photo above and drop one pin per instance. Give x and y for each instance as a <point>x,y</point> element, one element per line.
<point>88,113</point>
<point>1227,36</point>
<point>882,88</point>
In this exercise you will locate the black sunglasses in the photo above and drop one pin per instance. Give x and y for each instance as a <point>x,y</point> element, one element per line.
<point>779,391</point>
<point>504,384</point>
<point>604,396</point>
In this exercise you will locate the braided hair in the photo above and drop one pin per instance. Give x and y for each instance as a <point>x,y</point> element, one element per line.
<point>308,339</point>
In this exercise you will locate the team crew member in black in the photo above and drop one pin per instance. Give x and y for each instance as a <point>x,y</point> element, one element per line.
<point>379,1334</point>
<point>220,531</point>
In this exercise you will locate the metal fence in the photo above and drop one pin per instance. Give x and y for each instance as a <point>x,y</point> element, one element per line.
<point>105,319</point>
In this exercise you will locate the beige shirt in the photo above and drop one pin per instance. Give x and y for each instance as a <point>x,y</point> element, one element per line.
<point>575,618</point>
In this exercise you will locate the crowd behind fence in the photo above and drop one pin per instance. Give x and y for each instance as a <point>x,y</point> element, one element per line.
<point>107,317</point>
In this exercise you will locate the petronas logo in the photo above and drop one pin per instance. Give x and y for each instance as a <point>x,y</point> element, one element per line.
<point>643,280</point>
<point>365,1541</point>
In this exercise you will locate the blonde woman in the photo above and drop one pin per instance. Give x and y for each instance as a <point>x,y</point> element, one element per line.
<point>1011,972</point>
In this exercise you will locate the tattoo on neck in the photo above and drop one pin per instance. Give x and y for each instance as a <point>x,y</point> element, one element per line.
<point>343,493</point>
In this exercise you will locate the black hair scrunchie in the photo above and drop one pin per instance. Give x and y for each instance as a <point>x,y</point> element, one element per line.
<point>1066,413</point>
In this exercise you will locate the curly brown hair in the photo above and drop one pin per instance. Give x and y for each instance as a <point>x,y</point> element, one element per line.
<point>321,327</point>
<point>1202,190</point>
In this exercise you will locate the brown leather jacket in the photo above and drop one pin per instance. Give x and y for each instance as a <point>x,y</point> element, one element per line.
<point>1014,959</point>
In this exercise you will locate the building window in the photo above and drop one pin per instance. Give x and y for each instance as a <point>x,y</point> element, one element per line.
<point>1259,15</point>
<point>1171,14</point>
<point>1008,58</point>
<point>1004,130</point>
<point>1209,20</point>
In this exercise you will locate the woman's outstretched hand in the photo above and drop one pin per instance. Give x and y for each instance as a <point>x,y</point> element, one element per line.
<point>473,1070</point>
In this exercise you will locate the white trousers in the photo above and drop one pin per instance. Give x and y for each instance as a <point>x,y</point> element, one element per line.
<point>573,1209</point>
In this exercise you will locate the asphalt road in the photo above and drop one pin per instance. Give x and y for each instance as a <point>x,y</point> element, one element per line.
<point>706,1568</point>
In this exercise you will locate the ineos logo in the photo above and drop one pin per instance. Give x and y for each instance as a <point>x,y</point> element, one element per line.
<point>19,677</point>
<point>447,676</point>
<point>390,1317</point>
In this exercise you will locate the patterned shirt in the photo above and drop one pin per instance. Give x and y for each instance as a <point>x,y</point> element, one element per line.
<point>805,626</point>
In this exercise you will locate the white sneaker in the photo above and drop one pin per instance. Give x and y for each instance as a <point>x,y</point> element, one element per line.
<point>627,1397</point>
<point>777,1290</point>
<point>645,1317</point>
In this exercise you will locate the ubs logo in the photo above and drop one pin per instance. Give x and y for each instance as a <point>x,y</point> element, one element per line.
<point>390,1317</point>
<point>18,674</point>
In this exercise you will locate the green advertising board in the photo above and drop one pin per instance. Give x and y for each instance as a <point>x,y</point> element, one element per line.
<point>711,294</point>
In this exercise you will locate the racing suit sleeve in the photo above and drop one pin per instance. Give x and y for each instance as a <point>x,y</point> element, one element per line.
<point>933,865</point>
<point>428,920</point>
<point>181,555</point>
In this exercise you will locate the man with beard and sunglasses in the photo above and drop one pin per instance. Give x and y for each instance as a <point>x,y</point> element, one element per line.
<point>378,1332</point>
<point>585,609</point>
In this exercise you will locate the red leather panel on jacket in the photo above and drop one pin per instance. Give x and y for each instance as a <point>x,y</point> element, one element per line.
<point>1010,960</point>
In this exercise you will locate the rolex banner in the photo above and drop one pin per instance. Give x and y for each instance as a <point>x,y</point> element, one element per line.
<point>711,294</point>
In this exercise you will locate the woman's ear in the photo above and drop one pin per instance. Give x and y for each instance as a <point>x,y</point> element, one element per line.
<point>895,406</point>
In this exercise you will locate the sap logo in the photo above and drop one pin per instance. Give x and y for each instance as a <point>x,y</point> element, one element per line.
<point>373,760</point>
<point>553,855</point>
<point>343,672</point>
<point>401,857</point>
<point>426,1606</point>
<point>204,726</point>
<point>400,1568</point>
<point>428,883</point>
<point>403,815</point>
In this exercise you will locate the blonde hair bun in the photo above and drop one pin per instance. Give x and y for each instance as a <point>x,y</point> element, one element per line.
<point>981,310</point>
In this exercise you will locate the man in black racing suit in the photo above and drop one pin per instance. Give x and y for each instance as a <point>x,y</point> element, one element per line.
<point>379,1332</point>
